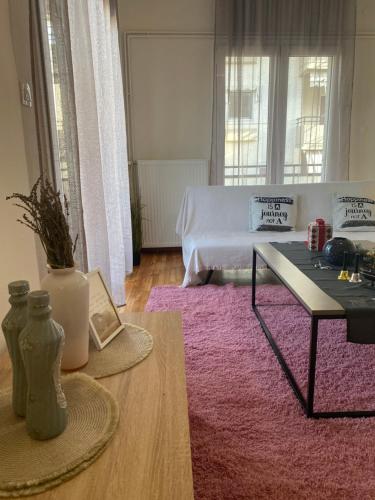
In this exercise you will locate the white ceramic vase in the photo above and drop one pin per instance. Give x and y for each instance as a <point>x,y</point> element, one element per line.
<point>69,294</point>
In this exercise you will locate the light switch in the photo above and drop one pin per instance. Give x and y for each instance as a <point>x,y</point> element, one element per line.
<point>26,96</point>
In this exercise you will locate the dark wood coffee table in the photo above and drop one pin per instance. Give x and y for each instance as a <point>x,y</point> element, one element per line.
<point>318,305</point>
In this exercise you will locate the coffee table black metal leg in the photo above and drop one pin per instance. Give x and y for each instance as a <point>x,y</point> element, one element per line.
<point>312,367</point>
<point>306,403</point>
<point>253,278</point>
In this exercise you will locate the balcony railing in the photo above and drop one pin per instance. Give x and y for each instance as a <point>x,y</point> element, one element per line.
<point>314,64</point>
<point>245,175</point>
<point>256,174</point>
<point>310,133</point>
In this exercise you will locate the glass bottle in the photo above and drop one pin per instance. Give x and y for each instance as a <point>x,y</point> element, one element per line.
<point>41,344</point>
<point>12,325</point>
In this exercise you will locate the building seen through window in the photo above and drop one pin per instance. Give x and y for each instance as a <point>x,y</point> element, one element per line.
<point>248,147</point>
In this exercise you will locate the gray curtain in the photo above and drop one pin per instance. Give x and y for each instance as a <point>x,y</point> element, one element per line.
<point>55,109</point>
<point>46,149</point>
<point>282,90</point>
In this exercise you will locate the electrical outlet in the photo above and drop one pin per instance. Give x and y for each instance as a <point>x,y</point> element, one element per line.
<point>26,97</point>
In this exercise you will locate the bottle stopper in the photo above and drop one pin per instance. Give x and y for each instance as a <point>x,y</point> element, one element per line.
<point>20,287</point>
<point>356,277</point>
<point>344,274</point>
<point>38,298</point>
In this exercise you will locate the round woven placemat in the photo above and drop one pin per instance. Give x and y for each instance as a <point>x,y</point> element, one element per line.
<point>28,466</point>
<point>131,346</point>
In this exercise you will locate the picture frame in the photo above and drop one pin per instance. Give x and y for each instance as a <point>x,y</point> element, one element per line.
<point>104,320</point>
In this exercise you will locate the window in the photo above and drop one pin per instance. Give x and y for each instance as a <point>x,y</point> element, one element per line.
<point>241,105</point>
<point>246,121</point>
<point>298,106</point>
<point>58,113</point>
<point>305,119</point>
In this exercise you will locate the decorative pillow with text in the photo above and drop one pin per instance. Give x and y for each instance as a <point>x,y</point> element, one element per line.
<point>273,213</point>
<point>353,213</point>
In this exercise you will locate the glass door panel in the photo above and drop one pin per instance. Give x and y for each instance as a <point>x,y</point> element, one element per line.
<point>246,120</point>
<point>306,125</point>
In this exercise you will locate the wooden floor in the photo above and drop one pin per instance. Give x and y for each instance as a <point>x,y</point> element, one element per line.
<point>167,268</point>
<point>161,268</point>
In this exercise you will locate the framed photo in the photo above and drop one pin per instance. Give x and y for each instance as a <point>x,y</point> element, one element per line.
<point>104,320</point>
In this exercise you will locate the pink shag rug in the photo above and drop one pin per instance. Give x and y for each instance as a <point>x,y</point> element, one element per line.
<point>249,437</point>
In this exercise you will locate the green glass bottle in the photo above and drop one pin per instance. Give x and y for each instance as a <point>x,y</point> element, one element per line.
<point>12,325</point>
<point>41,344</point>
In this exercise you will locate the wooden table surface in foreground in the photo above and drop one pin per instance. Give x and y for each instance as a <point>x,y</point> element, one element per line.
<point>149,455</point>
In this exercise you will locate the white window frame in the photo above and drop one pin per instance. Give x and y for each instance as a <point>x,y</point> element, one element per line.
<point>277,105</point>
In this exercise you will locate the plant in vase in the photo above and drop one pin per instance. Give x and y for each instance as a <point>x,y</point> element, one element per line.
<point>46,213</point>
<point>136,216</point>
<point>136,209</point>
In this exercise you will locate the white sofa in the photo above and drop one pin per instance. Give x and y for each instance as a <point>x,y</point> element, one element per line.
<point>214,222</point>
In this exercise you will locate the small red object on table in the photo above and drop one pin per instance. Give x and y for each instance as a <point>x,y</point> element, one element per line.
<point>318,233</point>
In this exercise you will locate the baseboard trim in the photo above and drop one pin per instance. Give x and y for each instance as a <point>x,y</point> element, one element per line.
<point>162,250</point>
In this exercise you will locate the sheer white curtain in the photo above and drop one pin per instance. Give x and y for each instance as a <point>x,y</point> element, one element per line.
<point>282,90</point>
<point>56,115</point>
<point>101,132</point>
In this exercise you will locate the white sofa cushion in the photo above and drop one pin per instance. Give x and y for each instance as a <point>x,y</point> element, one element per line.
<point>273,213</point>
<point>353,213</point>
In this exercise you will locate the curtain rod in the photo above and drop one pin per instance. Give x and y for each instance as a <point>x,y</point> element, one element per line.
<point>208,34</point>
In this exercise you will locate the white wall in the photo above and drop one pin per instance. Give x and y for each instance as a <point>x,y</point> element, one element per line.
<point>171,96</point>
<point>170,93</point>
<point>18,254</point>
<point>362,144</point>
<point>166,15</point>
<point>19,26</point>
<point>170,67</point>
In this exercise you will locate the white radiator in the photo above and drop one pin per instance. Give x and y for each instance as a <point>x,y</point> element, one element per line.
<point>162,185</point>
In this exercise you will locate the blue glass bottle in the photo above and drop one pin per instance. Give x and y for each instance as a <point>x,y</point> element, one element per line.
<point>12,325</point>
<point>41,344</point>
